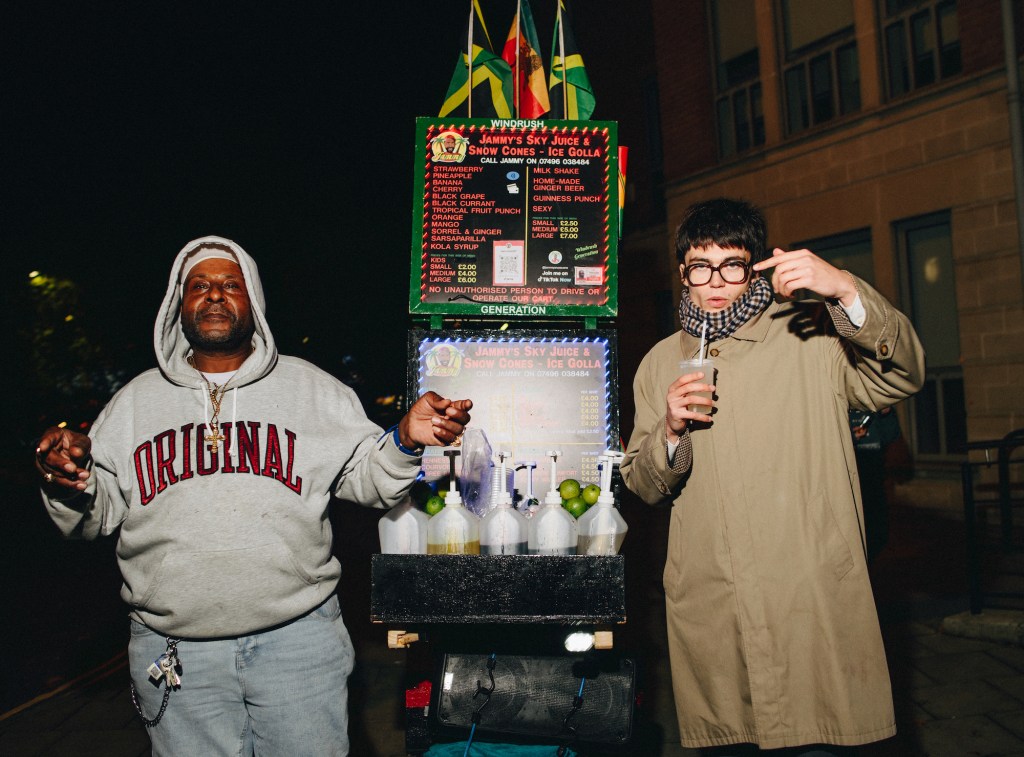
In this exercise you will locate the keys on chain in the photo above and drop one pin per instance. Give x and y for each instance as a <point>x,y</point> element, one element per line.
<point>167,666</point>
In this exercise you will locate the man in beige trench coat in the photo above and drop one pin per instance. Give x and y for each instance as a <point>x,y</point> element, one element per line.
<point>772,630</point>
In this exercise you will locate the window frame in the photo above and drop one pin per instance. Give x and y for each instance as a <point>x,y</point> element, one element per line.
<point>799,61</point>
<point>909,68</point>
<point>735,134</point>
<point>940,376</point>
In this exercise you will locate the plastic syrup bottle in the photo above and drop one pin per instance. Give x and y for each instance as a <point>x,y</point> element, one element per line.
<point>403,530</point>
<point>454,530</point>
<point>553,530</point>
<point>602,528</point>
<point>530,504</point>
<point>503,530</point>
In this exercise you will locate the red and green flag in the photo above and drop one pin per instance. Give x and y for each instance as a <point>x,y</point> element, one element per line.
<point>481,86</point>
<point>522,53</point>
<point>572,98</point>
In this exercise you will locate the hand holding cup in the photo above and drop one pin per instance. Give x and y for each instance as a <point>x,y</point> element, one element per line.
<point>690,396</point>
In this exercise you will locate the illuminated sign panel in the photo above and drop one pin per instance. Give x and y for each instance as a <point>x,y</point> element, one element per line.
<point>515,218</point>
<point>531,391</point>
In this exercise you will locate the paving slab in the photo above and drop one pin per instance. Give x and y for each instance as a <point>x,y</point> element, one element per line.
<point>944,643</point>
<point>28,743</point>
<point>1012,685</point>
<point>969,666</point>
<point>112,743</point>
<point>975,736</point>
<point>957,700</point>
<point>1011,654</point>
<point>1011,721</point>
<point>904,675</point>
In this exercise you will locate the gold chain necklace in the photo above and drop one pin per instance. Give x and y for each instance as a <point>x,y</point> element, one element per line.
<point>216,392</point>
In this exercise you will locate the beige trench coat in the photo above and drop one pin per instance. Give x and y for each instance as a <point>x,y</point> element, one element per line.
<point>772,630</point>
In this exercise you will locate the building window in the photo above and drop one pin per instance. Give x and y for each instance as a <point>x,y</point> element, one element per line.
<point>821,74</point>
<point>939,422</point>
<point>738,104</point>
<point>922,43</point>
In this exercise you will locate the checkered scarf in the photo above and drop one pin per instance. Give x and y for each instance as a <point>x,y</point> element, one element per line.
<point>722,324</point>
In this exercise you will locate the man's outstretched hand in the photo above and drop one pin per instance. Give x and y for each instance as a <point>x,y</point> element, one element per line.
<point>434,421</point>
<point>61,459</point>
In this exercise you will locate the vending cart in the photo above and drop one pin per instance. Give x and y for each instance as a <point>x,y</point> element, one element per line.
<point>513,294</point>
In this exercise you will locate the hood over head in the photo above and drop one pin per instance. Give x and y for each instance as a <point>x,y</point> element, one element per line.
<point>172,348</point>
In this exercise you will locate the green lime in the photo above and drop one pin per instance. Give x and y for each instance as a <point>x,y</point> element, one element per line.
<point>569,488</point>
<point>576,506</point>
<point>434,505</point>
<point>442,493</point>
<point>590,493</point>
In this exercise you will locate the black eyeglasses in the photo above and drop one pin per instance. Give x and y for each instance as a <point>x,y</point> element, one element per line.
<point>731,271</point>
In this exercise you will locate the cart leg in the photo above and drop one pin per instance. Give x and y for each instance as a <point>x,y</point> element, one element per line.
<point>400,639</point>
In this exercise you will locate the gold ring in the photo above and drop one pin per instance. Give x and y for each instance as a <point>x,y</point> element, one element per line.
<point>48,477</point>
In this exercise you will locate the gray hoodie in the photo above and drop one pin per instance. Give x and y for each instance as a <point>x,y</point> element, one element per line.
<point>226,543</point>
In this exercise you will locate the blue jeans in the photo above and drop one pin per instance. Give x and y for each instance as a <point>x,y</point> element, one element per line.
<point>283,691</point>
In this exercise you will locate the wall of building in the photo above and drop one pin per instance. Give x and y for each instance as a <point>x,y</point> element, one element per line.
<point>945,148</point>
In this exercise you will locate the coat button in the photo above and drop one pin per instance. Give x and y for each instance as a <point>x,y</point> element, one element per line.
<point>713,353</point>
<point>884,350</point>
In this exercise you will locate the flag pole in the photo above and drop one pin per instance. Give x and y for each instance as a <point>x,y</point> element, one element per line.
<point>469,62</point>
<point>561,52</point>
<point>518,94</point>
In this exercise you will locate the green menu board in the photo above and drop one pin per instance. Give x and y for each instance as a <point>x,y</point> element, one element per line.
<point>515,218</point>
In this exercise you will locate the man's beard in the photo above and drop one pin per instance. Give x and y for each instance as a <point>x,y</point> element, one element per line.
<point>236,335</point>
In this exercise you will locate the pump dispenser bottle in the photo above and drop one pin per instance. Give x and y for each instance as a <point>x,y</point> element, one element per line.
<point>602,528</point>
<point>503,530</point>
<point>530,505</point>
<point>403,530</point>
<point>553,530</point>
<point>455,530</point>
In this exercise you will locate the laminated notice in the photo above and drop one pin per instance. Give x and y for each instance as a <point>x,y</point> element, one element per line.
<point>510,263</point>
<point>589,276</point>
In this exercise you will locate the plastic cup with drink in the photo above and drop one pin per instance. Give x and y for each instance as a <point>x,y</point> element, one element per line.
<point>700,364</point>
<point>695,365</point>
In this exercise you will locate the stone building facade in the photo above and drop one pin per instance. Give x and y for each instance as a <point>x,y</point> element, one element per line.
<point>875,132</point>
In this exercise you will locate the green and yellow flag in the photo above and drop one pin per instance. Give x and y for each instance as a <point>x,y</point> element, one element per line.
<point>481,85</point>
<point>572,98</point>
<point>522,53</point>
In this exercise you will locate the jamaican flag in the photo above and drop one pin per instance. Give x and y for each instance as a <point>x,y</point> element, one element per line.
<point>572,99</point>
<point>481,86</point>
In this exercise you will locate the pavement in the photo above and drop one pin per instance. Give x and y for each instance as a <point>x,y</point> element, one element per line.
<point>958,680</point>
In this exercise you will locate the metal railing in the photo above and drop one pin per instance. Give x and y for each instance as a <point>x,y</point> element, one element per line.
<point>1008,496</point>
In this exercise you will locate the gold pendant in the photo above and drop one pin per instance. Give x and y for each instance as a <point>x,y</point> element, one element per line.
<point>214,437</point>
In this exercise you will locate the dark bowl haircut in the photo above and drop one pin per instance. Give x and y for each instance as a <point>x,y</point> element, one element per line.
<point>728,223</point>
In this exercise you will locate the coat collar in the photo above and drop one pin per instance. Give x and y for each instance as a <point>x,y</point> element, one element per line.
<point>754,330</point>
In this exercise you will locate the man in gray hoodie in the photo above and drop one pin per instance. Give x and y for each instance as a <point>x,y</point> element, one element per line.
<point>218,468</point>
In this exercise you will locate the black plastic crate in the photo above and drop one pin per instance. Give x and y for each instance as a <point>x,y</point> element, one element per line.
<point>497,589</point>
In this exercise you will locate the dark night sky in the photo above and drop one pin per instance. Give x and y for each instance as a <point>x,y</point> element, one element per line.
<point>131,128</point>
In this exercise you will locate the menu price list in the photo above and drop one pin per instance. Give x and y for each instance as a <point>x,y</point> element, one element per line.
<point>529,397</point>
<point>516,216</point>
